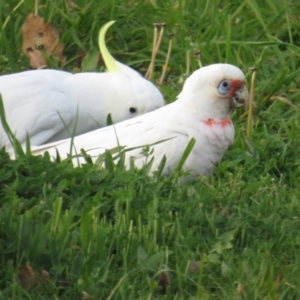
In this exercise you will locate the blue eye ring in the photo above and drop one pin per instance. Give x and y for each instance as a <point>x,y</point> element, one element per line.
<point>224,87</point>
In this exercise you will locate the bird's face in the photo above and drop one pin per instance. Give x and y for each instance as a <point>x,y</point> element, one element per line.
<point>131,95</point>
<point>235,90</point>
<point>216,89</point>
<point>143,97</point>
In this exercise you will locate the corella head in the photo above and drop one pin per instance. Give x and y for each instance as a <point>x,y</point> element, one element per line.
<point>217,89</point>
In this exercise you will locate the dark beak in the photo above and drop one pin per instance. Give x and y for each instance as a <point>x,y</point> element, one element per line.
<point>240,97</point>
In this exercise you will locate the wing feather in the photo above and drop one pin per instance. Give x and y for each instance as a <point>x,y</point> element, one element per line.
<point>32,108</point>
<point>137,132</point>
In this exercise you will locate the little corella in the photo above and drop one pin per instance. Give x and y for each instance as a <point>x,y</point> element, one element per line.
<point>201,112</point>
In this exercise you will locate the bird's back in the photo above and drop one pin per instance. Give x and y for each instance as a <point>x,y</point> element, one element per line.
<point>168,130</point>
<point>52,105</point>
<point>31,101</point>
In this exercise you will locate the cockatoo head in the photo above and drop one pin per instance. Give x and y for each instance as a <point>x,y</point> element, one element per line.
<point>138,94</point>
<point>132,96</point>
<point>215,89</point>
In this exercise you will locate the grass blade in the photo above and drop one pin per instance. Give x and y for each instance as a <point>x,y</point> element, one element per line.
<point>187,151</point>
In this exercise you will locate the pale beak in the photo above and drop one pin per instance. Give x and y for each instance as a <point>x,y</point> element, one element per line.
<point>240,97</point>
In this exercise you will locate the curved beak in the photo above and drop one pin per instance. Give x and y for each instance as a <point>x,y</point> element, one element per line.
<point>240,97</point>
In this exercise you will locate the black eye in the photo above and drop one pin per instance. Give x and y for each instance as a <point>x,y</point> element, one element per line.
<point>132,110</point>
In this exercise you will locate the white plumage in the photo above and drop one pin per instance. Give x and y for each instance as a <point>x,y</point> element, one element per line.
<point>41,103</point>
<point>201,111</point>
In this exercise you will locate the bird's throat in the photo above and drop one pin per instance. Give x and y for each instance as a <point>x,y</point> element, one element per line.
<point>223,122</point>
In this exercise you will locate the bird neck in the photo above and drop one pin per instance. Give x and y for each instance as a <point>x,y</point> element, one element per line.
<point>205,109</point>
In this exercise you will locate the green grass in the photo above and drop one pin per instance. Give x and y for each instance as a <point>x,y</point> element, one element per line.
<point>108,234</point>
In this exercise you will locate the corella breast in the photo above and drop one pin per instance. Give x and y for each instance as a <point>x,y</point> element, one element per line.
<point>201,111</point>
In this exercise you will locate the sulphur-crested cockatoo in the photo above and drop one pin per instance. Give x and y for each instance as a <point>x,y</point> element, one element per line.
<point>202,112</point>
<point>41,103</point>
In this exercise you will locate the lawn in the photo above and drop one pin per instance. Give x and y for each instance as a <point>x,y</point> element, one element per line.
<point>85,233</point>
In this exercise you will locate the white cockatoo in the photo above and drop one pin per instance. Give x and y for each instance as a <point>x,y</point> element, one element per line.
<point>42,103</point>
<point>201,111</point>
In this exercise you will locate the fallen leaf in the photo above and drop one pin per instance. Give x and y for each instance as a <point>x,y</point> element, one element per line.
<point>285,100</point>
<point>45,274</point>
<point>62,284</point>
<point>40,38</point>
<point>277,281</point>
<point>86,296</point>
<point>194,266</point>
<point>73,5</point>
<point>163,280</point>
<point>29,278</point>
<point>221,210</point>
<point>240,289</point>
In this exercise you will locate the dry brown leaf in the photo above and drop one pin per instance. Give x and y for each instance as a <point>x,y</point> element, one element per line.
<point>163,280</point>
<point>63,284</point>
<point>285,100</point>
<point>221,210</point>
<point>40,37</point>
<point>86,296</point>
<point>29,278</point>
<point>240,289</point>
<point>73,5</point>
<point>194,266</point>
<point>277,281</point>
